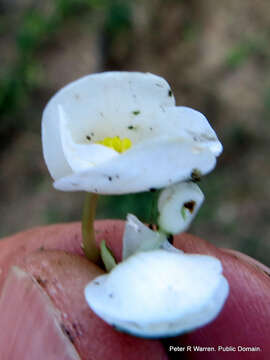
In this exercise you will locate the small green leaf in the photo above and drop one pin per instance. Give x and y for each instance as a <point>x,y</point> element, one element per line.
<point>107,256</point>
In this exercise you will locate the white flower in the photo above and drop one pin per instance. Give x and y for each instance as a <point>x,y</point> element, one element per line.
<point>177,205</point>
<point>159,293</point>
<point>120,132</point>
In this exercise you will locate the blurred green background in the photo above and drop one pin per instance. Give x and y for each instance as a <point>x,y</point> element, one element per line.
<point>215,55</point>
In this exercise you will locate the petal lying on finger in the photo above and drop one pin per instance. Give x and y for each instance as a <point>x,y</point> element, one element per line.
<point>244,320</point>
<point>150,164</point>
<point>188,291</point>
<point>138,237</point>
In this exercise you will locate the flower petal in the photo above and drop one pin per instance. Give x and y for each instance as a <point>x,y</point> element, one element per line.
<point>155,163</point>
<point>188,292</point>
<point>138,237</point>
<point>178,205</point>
<point>191,124</point>
<point>52,145</point>
<point>99,105</point>
<point>81,156</point>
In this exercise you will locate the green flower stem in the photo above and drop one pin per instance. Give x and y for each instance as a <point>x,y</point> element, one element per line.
<point>90,248</point>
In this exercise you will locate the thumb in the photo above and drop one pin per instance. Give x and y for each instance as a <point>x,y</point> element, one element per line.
<point>43,311</point>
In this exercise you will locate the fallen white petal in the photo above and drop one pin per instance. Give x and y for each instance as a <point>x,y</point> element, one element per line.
<point>155,163</point>
<point>178,205</point>
<point>159,293</point>
<point>138,237</point>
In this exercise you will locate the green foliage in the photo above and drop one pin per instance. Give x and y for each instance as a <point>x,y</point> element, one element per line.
<point>244,50</point>
<point>34,28</point>
<point>238,55</point>
<point>190,32</point>
<point>143,205</point>
<point>118,17</point>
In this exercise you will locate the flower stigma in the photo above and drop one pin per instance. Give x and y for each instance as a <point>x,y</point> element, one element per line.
<point>115,143</point>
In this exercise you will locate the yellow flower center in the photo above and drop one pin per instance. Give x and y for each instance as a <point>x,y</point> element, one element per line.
<point>120,145</point>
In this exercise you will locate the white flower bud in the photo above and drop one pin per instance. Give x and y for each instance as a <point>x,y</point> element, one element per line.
<point>178,205</point>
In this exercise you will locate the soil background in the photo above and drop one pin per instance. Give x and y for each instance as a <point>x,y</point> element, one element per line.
<point>216,57</point>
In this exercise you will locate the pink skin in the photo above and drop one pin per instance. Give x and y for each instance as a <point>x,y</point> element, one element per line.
<point>44,314</point>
